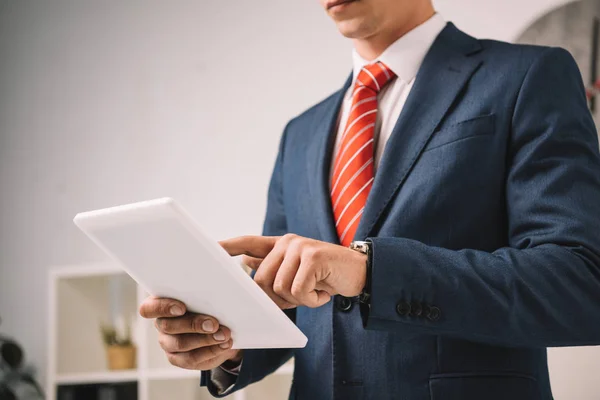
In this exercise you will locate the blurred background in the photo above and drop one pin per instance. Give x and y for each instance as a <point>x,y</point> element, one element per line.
<point>110,102</point>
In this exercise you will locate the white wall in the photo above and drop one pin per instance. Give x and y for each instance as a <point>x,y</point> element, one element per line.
<point>110,102</point>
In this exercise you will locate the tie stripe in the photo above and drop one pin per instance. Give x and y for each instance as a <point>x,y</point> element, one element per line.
<point>353,172</point>
<point>366,118</point>
<point>350,182</point>
<point>365,148</point>
<point>351,225</point>
<point>353,204</point>
<point>374,98</point>
<point>373,78</point>
<point>358,119</point>
<point>350,141</point>
<point>385,71</point>
<point>357,90</point>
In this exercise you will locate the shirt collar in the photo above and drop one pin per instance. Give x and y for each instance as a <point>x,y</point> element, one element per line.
<point>405,56</point>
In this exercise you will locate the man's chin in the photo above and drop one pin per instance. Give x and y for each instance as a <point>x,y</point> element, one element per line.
<point>352,28</point>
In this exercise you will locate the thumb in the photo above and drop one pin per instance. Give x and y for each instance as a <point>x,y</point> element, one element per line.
<point>252,262</point>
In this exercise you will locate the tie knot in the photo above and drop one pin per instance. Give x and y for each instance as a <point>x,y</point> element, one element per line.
<point>375,76</point>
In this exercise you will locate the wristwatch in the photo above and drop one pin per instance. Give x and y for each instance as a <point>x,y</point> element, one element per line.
<point>364,247</point>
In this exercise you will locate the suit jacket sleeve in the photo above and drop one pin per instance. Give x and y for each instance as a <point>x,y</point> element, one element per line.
<point>259,363</point>
<point>543,289</point>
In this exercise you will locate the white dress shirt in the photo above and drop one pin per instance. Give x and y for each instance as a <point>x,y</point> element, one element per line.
<point>404,57</point>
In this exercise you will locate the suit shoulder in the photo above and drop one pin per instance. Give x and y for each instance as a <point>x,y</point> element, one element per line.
<point>512,65</point>
<point>522,56</point>
<point>513,49</point>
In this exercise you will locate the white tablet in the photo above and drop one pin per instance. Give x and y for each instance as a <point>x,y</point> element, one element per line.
<point>162,248</point>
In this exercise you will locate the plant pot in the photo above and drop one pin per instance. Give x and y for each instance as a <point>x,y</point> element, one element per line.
<point>120,357</point>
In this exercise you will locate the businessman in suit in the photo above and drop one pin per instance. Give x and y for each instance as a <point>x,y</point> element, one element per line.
<point>431,227</point>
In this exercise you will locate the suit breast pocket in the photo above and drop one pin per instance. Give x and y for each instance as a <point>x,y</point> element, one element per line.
<point>493,386</point>
<point>471,128</point>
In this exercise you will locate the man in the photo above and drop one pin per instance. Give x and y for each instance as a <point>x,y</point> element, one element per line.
<point>469,169</point>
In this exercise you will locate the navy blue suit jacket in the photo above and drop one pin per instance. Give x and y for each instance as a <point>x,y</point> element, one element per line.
<point>484,218</point>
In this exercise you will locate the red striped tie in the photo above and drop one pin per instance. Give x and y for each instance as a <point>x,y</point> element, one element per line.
<point>353,168</point>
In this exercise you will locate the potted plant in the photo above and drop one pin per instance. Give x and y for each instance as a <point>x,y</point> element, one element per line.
<point>120,350</point>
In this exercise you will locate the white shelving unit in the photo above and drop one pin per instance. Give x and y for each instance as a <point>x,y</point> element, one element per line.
<point>79,301</point>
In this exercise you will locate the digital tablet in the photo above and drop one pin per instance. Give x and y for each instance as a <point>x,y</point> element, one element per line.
<point>166,252</point>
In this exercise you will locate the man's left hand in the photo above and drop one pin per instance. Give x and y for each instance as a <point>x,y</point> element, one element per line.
<point>295,271</point>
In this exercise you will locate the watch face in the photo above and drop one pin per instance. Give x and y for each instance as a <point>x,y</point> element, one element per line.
<point>575,27</point>
<point>363,247</point>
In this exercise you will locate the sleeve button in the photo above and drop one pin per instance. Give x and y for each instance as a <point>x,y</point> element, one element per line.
<point>434,313</point>
<point>344,304</point>
<point>416,309</point>
<point>403,308</point>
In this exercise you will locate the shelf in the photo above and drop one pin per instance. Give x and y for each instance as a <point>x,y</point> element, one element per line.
<point>98,377</point>
<point>171,373</point>
<point>90,270</point>
<point>83,304</point>
<point>132,375</point>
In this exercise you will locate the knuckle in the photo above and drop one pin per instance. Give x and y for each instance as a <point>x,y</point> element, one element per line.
<point>297,290</point>
<point>168,343</point>
<point>195,324</point>
<point>173,359</point>
<point>294,246</point>
<point>215,350</point>
<point>260,281</point>
<point>288,237</point>
<point>312,252</point>
<point>300,241</point>
<point>279,287</point>
<point>266,288</point>
<point>176,343</point>
<point>163,325</point>
<point>164,308</point>
<point>161,342</point>
<point>193,358</point>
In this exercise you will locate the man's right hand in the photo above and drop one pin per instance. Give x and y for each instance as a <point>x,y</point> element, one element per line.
<point>190,341</point>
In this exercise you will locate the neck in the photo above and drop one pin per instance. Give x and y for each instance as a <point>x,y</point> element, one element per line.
<point>371,47</point>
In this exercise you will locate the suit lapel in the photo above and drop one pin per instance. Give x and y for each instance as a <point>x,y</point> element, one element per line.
<point>444,72</point>
<point>319,160</point>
